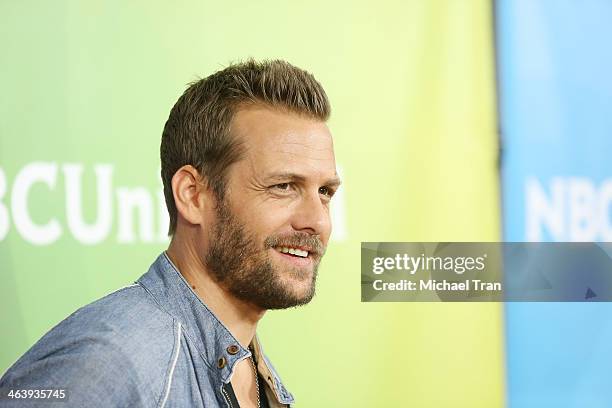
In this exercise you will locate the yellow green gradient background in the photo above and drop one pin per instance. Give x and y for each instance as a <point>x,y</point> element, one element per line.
<point>414,119</point>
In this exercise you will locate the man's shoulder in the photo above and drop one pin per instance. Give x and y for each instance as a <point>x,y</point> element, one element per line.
<point>127,309</point>
<point>124,335</point>
<point>127,319</point>
<point>127,314</point>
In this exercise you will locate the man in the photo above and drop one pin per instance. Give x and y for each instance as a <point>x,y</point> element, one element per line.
<point>248,170</point>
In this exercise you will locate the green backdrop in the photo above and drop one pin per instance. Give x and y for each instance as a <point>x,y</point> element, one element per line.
<point>89,84</point>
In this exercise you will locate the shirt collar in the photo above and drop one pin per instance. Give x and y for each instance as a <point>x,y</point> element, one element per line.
<point>217,346</point>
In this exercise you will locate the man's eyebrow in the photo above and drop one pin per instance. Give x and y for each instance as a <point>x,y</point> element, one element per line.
<point>332,182</point>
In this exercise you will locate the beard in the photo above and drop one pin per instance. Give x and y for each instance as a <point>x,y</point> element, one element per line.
<point>243,267</point>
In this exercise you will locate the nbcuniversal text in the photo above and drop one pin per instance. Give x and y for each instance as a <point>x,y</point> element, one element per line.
<point>43,202</point>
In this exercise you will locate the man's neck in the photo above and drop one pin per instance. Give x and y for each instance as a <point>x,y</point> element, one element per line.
<point>239,317</point>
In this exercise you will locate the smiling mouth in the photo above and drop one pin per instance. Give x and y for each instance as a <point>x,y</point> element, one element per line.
<point>297,252</point>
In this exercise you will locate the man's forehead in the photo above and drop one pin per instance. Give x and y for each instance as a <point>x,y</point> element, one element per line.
<point>281,140</point>
<point>256,124</point>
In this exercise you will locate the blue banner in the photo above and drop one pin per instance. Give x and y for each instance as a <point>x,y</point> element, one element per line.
<point>555,96</point>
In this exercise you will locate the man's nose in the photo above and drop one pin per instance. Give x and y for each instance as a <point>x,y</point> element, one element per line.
<point>312,216</point>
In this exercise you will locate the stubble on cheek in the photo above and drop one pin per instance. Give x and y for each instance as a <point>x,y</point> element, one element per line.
<point>247,271</point>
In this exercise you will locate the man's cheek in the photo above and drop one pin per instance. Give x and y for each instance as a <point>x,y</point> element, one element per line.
<point>274,218</point>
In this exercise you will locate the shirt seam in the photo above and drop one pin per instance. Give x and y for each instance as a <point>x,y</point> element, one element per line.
<point>173,317</point>
<point>173,365</point>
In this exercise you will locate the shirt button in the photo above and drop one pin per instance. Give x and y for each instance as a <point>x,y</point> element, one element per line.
<point>233,349</point>
<point>221,362</point>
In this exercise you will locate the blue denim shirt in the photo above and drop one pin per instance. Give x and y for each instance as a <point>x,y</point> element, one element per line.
<point>150,344</point>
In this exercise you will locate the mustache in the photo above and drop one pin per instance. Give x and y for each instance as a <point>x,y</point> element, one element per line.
<point>302,240</point>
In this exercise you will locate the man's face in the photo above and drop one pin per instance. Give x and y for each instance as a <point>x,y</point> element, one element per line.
<point>273,224</point>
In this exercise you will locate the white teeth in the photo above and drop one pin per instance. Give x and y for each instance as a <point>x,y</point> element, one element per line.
<point>301,253</point>
<point>293,251</point>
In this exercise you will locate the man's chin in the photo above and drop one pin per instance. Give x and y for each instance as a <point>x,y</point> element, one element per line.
<point>287,303</point>
<point>288,295</point>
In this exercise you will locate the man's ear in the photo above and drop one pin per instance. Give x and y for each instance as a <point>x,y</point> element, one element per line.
<point>191,196</point>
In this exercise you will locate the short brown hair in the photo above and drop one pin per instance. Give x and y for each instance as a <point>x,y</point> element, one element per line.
<point>197,131</point>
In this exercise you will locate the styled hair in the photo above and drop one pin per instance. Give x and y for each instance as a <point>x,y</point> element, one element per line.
<point>197,131</point>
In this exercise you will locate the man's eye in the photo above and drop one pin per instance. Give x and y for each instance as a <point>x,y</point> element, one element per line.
<point>326,191</point>
<point>282,186</point>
